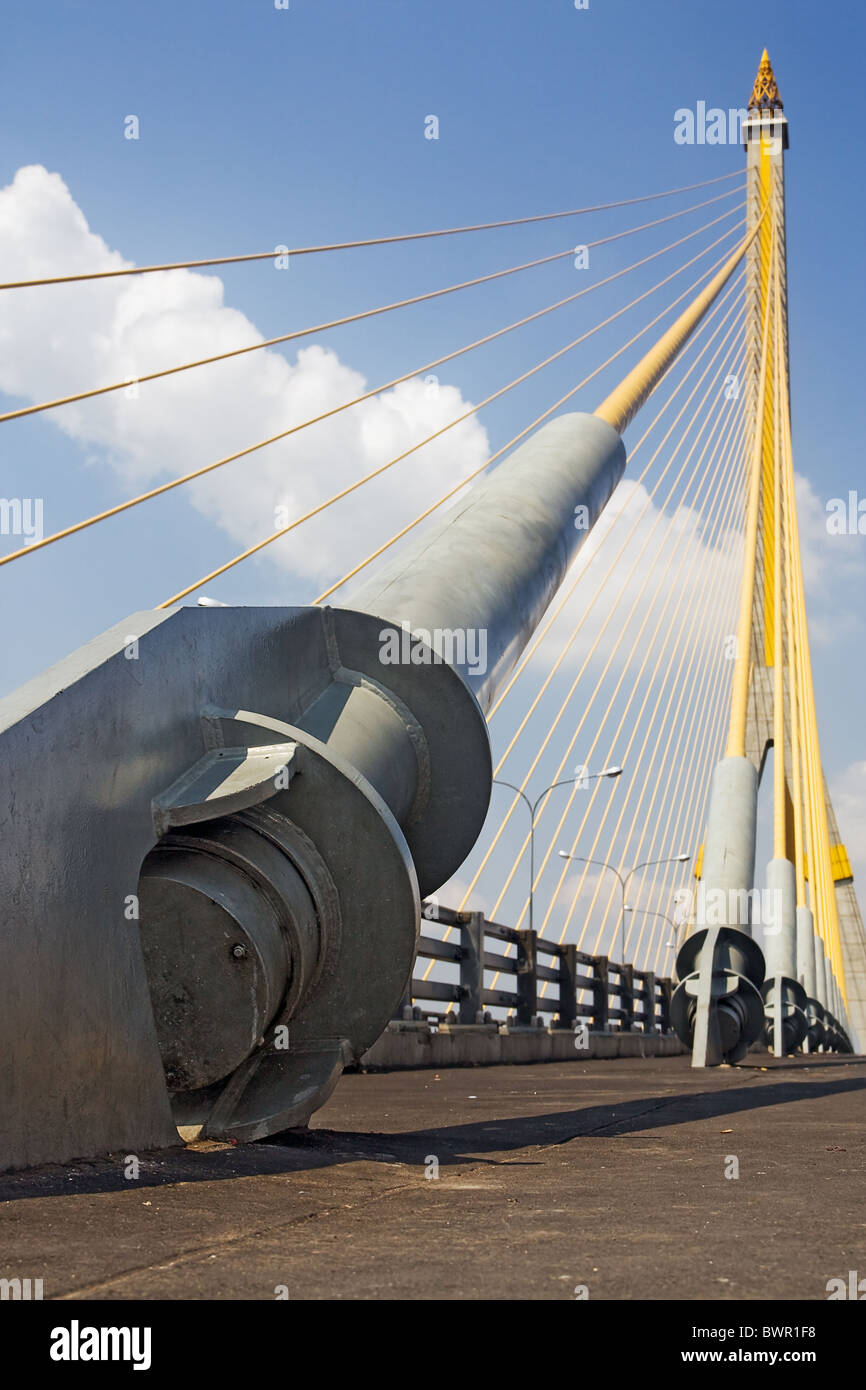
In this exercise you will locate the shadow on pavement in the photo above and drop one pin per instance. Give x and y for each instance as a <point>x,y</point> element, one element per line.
<point>301,1151</point>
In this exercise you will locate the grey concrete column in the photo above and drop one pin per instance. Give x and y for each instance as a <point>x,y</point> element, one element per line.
<point>806,972</point>
<point>729,846</point>
<point>807,976</point>
<point>780,931</point>
<point>785,997</point>
<point>717,1007</point>
<point>820,973</point>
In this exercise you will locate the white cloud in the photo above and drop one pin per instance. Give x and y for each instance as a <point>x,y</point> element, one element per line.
<point>668,576</point>
<point>834,567</point>
<point>60,339</point>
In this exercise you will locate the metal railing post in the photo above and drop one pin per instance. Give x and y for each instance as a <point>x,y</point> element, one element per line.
<point>527,978</point>
<point>626,997</point>
<point>472,968</point>
<point>601,995</point>
<point>568,986</point>
<point>666,990</point>
<point>649,1021</point>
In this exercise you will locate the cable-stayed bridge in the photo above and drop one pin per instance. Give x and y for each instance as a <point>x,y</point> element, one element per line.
<point>538,712</point>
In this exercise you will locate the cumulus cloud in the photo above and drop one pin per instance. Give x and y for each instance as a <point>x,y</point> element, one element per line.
<point>834,566</point>
<point>56,341</point>
<point>648,579</point>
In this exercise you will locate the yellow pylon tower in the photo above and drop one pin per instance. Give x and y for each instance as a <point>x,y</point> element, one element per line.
<point>773,703</point>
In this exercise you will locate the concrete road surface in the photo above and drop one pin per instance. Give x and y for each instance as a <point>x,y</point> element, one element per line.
<point>608,1179</point>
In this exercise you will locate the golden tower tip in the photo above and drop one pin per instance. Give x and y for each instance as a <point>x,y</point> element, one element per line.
<point>765,93</point>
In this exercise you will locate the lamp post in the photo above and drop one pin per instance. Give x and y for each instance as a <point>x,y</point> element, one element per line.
<point>533,806</point>
<point>646,864</point>
<point>664,916</point>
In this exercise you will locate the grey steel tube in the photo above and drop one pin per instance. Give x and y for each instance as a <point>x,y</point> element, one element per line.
<point>780,934</point>
<point>785,998</point>
<point>821,973</point>
<point>717,1008</point>
<point>729,844</point>
<point>806,973</point>
<point>490,567</point>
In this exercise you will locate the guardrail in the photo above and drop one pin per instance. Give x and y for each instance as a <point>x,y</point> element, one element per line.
<point>643,1001</point>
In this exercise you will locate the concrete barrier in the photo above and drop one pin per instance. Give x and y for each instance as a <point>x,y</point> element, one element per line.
<point>416,1045</point>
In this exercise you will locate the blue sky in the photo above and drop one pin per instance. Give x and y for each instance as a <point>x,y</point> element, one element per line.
<point>261,126</point>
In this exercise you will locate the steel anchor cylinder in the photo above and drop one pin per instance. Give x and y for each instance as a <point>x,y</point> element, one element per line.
<point>785,999</point>
<point>730,966</point>
<point>716,1008</point>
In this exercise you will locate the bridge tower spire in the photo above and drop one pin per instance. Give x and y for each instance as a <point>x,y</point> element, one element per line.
<point>814,985</point>
<point>766,136</point>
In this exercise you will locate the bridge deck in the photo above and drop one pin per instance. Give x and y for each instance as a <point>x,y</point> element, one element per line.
<point>608,1174</point>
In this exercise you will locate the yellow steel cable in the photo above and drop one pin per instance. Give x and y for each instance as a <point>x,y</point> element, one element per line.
<point>698,776</point>
<point>727,449</point>
<point>779,783</point>
<point>685,790</point>
<point>802,791</point>
<point>657,521</point>
<point>346,405</point>
<point>588,608</point>
<point>515,439</point>
<point>697,731</point>
<point>736,742</point>
<point>681,792</point>
<point>696,735</point>
<point>820,867</point>
<point>352,245</point>
<point>583,617</point>
<point>594,849</point>
<point>701,774</point>
<point>349,318</point>
<point>736,746</point>
<point>825,893</point>
<point>542,632</point>
<point>692,755</point>
<point>542,689</point>
<point>697,743</point>
<point>690,780</point>
<point>588,658</point>
<point>621,406</point>
<point>382,468</point>
<point>621,638</point>
<point>723,461</point>
<point>721,496</point>
<point>793,701</point>
<point>817,904</point>
<point>769,263</point>
<point>808,847</point>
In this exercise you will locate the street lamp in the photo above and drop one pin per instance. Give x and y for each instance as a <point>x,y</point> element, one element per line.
<point>647,864</point>
<point>533,805</point>
<point>665,918</point>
